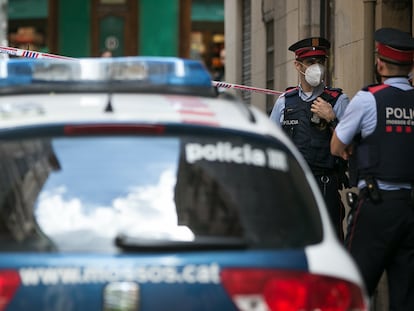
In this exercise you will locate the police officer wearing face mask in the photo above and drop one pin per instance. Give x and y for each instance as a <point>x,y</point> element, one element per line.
<point>308,113</point>
<point>377,134</point>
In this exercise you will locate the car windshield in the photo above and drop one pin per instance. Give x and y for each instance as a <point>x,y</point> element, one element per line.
<point>86,192</point>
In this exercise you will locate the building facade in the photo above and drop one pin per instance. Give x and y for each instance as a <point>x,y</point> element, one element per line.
<point>256,34</point>
<point>259,32</point>
<point>84,28</point>
<point>80,28</point>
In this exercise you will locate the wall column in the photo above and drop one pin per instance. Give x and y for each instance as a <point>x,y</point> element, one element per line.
<point>369,48</point>
<point>3,26</point>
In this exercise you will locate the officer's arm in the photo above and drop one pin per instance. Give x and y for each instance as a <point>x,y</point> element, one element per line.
<point>277,111</point>
<point>338,148</point>
<point>340,106</point>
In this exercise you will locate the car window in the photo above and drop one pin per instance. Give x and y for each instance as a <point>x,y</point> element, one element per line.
<point>81,193</point>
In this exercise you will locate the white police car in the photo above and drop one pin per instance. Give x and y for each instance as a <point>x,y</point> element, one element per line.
<point>128,184</point>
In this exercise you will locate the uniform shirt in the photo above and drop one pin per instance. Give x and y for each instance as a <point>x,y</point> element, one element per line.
<point>277,113</point>
<point>361,117</point>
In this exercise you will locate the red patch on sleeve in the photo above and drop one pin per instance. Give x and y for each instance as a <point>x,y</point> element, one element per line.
<point>376,88</point>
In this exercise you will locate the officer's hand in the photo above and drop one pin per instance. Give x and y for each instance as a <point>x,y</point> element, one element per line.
<point>346,154</point>
<point>323,109</point>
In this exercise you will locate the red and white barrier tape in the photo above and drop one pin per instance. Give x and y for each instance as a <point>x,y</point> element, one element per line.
<point>244,88</point>
<point>33,54</point>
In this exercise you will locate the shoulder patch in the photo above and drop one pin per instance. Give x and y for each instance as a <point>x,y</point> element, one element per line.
<point>365,88</point>
<point>334,92</point>
<point>377,87</point>
<point>291,91</point>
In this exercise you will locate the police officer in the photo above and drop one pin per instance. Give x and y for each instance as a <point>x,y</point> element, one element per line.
<point>377,134</point>
<point>308,113</point>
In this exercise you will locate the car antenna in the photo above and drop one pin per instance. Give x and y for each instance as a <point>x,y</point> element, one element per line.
<point>109,107</point>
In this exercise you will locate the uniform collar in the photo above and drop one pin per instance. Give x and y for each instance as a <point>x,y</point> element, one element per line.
<point>315,92</point>
<point>394,80</point>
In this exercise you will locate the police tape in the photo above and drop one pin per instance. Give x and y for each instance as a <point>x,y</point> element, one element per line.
<point>227,85</point>
<point>220,84</point>
<point>31,54</point>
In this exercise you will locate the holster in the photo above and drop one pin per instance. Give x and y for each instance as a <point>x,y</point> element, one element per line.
<point>377,195</point>
<point>373,190</point>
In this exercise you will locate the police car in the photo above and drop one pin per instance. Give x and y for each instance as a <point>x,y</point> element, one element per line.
<point>131,184</point>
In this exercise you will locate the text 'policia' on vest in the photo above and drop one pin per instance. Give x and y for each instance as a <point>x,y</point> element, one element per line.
<point>376,154</point>
<point>379,156</point>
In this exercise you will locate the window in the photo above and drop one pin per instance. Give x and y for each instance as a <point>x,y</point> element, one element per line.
<point>164,188</point>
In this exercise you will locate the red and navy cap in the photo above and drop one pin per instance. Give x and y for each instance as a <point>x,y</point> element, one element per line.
<point>310,47</point>
<point>394,46</point>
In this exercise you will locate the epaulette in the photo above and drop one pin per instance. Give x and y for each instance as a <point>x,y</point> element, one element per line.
<point>365,88</point>
<point>333,92</point>
<point>373,88</point>
<point>291,91</point>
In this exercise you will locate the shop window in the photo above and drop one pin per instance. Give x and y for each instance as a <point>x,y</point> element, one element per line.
<point>28,37</point>
<point>207,34</point>
<point>209,48</point>
<point>28,24</point>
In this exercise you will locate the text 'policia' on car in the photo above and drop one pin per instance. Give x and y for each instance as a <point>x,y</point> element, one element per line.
<point>130,184</point>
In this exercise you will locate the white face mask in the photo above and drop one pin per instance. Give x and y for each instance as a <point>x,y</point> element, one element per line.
<point>314,74</point>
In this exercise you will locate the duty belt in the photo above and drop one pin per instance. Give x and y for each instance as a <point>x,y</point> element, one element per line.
<point>402,194</point>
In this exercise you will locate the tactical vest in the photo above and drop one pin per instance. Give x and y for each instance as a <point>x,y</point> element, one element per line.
<point>312,140</point>
<point>387,153</point>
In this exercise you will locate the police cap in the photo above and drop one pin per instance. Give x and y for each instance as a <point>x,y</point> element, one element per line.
<point>394,46</point>
<point>310,47</point>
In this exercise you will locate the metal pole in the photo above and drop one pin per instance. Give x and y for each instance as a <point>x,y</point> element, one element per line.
<point>3,26</point>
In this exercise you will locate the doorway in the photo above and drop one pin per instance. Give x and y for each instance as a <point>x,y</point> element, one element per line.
<point>114,27</point>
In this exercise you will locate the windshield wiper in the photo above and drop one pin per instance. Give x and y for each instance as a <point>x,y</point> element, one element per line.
<point>128,243</point>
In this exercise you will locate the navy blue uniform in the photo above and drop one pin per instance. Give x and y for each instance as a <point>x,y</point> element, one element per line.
<point>307,113</point>
<point>292,112</point>
<point>376,134</point>
<point>380,234</point>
